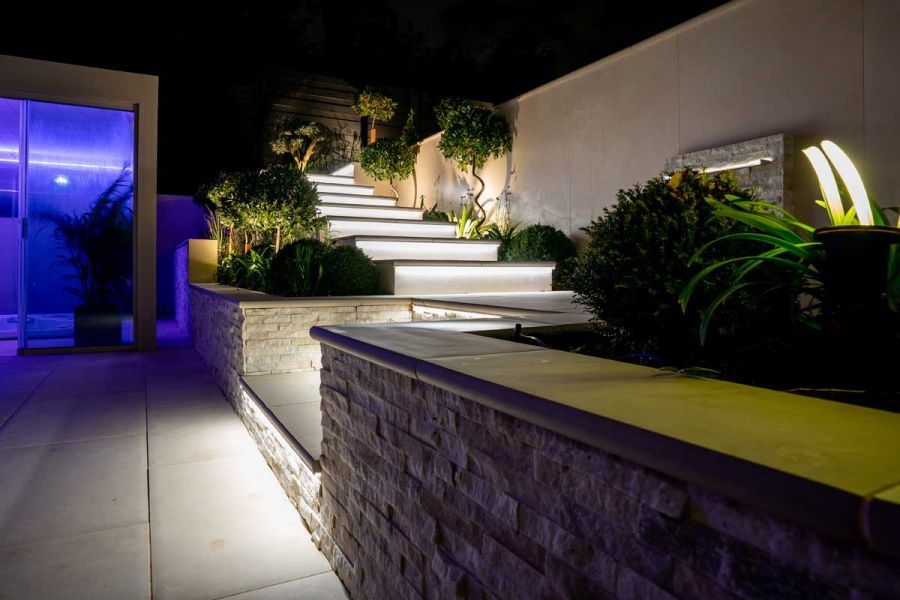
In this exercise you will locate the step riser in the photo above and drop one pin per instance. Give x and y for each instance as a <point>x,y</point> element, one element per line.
<point>331,179</point>
<point>338,228</point>
<point>434,250</point>
<point>372,212</point>
<point>402,280</point>
<point>334,188</point>
<point>367,200</point>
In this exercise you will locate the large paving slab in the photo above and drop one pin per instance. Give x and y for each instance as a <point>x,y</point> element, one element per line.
<point>74,488</point>
<point>54,419</point>
<point>184,393</point>
<point>196,432</point>
<point>13,396</point>
<point>222,527</point>
<point>111,564</point>
<point>325,586</point>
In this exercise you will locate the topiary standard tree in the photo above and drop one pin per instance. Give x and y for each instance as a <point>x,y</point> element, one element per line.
<point>298,139</point>
<point>375,106</point>
<point>389,159</point>
<point>471,135</point>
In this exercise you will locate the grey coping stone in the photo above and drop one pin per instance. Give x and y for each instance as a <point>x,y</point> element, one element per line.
<point>301,423</point>
<point>285,388</point>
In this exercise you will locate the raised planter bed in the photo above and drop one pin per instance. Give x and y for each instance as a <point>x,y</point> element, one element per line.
<point>458,465</point>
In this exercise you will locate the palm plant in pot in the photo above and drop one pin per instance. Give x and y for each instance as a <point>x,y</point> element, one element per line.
<point>96,246</point>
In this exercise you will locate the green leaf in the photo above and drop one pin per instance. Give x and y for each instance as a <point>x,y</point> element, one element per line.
<point>709,311</point>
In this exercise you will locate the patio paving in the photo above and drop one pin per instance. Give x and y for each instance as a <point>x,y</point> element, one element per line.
<point>128,475</point>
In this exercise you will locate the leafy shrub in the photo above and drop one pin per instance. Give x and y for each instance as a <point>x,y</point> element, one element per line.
<point>433,214</point>
<point>248,270</point>
<point>347,271</point>
<point>312,268</point>
<point>563,273</point>
<point>542,243</point>
<point>297,269</point>
<point>539,243</point>
<point>255,207</point>
<point>639,259</point>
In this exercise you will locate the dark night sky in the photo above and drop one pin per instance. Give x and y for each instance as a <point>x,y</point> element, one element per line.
<point>489,50</point>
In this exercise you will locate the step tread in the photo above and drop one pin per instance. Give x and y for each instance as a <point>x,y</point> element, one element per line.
<point>404,262</point>
<point>419,240</point>
<point>370,207</point>
<point>314,176</point>
<point>377,220</point>
<point>362,196</point>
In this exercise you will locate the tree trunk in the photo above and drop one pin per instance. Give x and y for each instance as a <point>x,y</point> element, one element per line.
<point>393,189</point>
<point>307,155</point>
<point>277,238</point>
<point>416,188</point>
<point>478,195</point>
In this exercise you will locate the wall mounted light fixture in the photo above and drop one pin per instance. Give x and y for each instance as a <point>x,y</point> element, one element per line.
<point>755,162</point>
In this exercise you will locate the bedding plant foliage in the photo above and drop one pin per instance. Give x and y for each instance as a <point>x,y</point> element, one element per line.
<point>641,253</point>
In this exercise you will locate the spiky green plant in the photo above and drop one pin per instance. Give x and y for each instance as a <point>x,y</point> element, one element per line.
<point>468,224</point>
<point>297,269</point>
<point>788,246</point>
<point>504,235</point>
<point>249,270</point>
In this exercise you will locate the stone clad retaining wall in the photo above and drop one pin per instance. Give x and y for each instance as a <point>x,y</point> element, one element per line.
<point>236,340</point>
<point>429,495</point>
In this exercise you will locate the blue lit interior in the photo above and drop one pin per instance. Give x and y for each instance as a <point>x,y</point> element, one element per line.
<point>74,153</point>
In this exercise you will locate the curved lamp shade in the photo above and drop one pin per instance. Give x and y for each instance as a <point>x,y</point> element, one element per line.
<point>848,173</point>
<point>827,182</point>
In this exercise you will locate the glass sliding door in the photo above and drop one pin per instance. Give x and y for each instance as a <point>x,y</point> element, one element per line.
<point>77,202</point>
<point>10,139</point>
